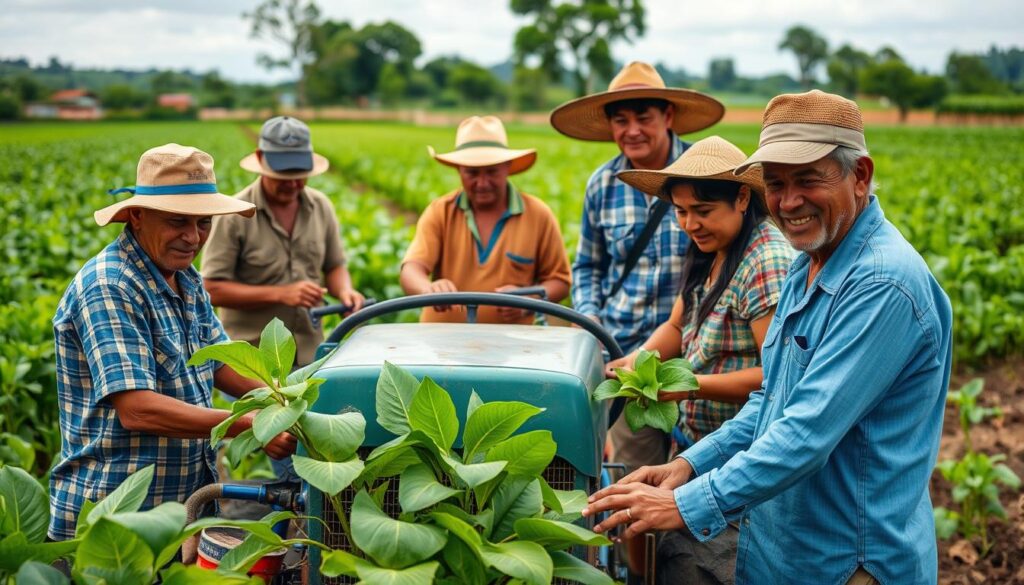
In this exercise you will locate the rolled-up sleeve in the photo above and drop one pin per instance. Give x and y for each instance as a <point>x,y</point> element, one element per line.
<point>870,337</point>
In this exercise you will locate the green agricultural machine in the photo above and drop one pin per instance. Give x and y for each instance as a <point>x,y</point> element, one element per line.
<point>555,368</point>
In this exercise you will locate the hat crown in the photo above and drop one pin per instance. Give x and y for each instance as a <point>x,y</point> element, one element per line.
<point>284,133</point>
<point>813,107</point>
<point>637,74</point>
<point>710,156</point>
<point>481,129</point>
<point>174,164</point>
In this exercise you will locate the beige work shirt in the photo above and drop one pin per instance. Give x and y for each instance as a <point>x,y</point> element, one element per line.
<point>259,251</point>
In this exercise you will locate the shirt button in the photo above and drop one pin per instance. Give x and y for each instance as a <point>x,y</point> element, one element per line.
<point>705,532</point>
<point>746,521</point>
<point>785,341</point>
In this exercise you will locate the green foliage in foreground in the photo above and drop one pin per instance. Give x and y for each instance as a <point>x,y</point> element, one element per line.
<point>641,386</point>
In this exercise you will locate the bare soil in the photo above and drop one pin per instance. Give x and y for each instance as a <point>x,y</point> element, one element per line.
<point>959,562</point>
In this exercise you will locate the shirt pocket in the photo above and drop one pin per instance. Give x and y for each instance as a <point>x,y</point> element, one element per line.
<point>520,264</point>
<point>621,240</point>
<point>167,353</point>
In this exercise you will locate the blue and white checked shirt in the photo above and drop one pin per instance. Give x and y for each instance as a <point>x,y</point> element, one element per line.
<point>614,214</point>
<point>827,466</point>
<point>120,327</point>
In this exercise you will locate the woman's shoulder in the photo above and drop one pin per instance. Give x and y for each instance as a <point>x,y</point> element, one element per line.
<point>768,244</point>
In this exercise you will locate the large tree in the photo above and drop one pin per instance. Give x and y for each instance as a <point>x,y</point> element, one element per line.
<point>721,73</point>
<point>844,69</point>
<point>810,48</point>
<point>896,81</point>
<point>582,30</point>
<point>970,75</point>
<point>289,23</point>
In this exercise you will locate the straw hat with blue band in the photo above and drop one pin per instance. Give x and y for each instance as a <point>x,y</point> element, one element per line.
<point>287,151</point>
<point>176,179</point>
<point>481,141</point>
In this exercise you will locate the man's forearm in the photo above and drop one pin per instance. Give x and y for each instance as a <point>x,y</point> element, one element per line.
<point>237,295</point>
<point>146,411</point>
<point>338,279</point>
<point>231,382</point>
<point>414,278</point>
<point>556,289</point>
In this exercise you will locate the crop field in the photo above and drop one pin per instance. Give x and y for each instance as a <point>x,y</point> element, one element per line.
<point>957,194</point>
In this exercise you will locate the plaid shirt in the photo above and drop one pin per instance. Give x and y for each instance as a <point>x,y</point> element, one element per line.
<point>725,341</point>
<point>120,327</point>
<point>614,214</point>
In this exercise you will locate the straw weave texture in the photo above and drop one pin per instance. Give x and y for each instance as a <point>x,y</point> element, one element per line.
<point>813,107</point>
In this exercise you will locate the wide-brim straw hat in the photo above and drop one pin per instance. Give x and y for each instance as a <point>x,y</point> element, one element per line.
<point>584,117</point>
<point>176,179</point>
<point>800,128</point>
<point>710,158</point>
<point>481,141</point>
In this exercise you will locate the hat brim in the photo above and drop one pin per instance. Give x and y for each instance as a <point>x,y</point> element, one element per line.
<point>584,118</point>
<point>788,152</point>
<point>485,156</point>
<point>252,164</point>
<point>653,182</point>
<point>185,204</point>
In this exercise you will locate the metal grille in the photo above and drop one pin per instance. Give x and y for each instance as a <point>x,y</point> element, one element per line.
<point>559,475</point>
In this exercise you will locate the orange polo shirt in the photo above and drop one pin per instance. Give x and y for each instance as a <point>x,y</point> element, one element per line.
<point>525,249</point>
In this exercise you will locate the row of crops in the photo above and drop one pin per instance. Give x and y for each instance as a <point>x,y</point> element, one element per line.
<point>956,194</point>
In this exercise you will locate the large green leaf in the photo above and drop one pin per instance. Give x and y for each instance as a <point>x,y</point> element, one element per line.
<point>339,562</point>
<point>528,454</point>
<point>677,375</point>
<point>557,535</point>
<point>571,503</point>
<point>459,527</point>
<point>328,476</point>
<point>395,391</point>
<point>418,575</point>
<point>475,474</point>
<point>433,412</point>
<point>179,574</point>
<point>392,543</point>
<point>278,348</point>
<point>263,528</point>
<point>465,562</point>
<point>238,410</point>
<point>25,504</point>
<point>15,549</point>
<point>610,389</point>
<point>157,527</point>
<point>475,402</point>
<point>307,371</point>
<point>571,568</point>
<point>388,464</point>
<point>527,561</point>
<point>493,422</point>
<point>240,446</point>
<point>483,519</point>
<point>659,415</point>
<point>275,419</point>
<point>112,552</point>
<point>240,356</point>
<point>127,497</point>
<point>241,558</point>
<point>419,489</point>
<point>36,573</point>
<point>515,498</point>
<point>335,436</point>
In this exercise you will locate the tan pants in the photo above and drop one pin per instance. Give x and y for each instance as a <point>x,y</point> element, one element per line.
<point>862,577</point>
<point>645,447</point>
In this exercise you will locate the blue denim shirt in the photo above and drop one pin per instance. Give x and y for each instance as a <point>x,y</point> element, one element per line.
<point>827,466</point>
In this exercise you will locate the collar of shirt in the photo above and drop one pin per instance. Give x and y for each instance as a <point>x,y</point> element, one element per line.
<point>837,266</point>
<point>515,207</point>
<point>188,280</point>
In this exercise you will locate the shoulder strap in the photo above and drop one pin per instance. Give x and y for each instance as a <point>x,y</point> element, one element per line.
<point>654,216</point>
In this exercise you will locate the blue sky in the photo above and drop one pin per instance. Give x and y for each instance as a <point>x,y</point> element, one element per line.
<point>204,35</point>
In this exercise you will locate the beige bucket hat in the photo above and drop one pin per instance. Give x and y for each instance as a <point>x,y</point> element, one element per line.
<point>481,141</point>
<point>711,158</point>
<point>287,151</point>
<point>799,128</point>
<point>584,117</point>
<point>177,179</point>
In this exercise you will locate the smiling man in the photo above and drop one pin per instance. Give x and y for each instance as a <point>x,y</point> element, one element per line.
<point>125,329</point>
<point>826,468</point>
<point>487,236</point>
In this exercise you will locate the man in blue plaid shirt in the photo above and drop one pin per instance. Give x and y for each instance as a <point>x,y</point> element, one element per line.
<point>644,118</point>
<point>125,329</point>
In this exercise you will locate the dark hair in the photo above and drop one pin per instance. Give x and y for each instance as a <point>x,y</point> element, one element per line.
<point>697,264</point>
<point>637,106</point>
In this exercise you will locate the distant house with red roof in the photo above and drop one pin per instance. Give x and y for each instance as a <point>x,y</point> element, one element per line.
<point>181,102</point>
<point>68,104</point>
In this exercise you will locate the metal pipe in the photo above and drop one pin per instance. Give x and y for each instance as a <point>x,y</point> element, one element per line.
<point>193,506</point>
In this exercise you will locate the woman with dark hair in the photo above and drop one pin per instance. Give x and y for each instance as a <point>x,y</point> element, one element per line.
<point>731,280</point>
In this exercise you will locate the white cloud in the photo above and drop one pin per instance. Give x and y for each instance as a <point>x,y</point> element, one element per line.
<point>203,35</point>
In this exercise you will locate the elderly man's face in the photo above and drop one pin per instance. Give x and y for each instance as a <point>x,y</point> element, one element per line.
<point>485,186</point>
<point>170,240</point>
<point>642,136</point>
<point>814,204</point>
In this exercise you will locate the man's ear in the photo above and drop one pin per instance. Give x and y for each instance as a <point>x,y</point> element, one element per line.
<point>670,113</point>
<point>864,171</point>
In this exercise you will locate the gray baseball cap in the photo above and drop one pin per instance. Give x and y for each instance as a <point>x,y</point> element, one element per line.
<point>286,145</point>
